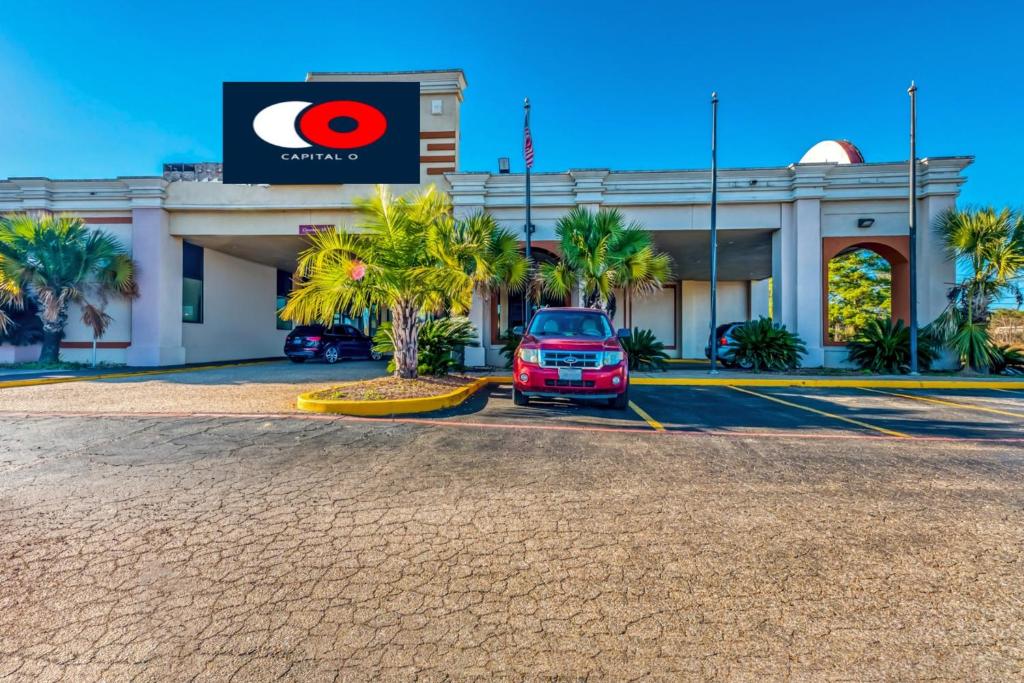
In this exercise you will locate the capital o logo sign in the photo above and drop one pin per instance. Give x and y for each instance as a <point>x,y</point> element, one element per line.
<point>321,133</point>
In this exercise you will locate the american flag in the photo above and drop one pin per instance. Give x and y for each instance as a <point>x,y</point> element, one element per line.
<point>527,143</point>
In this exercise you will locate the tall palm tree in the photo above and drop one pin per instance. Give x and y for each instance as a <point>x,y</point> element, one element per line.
<point>988,245</point>
<point>602,252</point>
<point>406,254</point>
<point>59,261</point>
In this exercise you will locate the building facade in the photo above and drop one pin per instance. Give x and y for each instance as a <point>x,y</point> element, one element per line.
<point>215,260</point>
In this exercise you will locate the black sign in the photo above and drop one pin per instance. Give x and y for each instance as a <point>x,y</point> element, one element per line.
<point>321,133</point>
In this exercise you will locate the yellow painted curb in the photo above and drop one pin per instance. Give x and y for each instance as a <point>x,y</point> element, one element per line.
<point>10,384</point>
<point>852,382</point>
<point>400,406</point>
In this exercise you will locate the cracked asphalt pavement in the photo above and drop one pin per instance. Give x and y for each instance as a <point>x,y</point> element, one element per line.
<point>322,549</point>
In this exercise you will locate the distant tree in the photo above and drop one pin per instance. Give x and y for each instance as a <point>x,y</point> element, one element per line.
<point>860,291</point>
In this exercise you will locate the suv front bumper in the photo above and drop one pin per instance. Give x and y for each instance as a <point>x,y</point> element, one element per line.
<point>606,382</point>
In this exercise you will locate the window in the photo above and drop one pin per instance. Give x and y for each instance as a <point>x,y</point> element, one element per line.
<point>191,283</point>
<point>556,323</point>
<point>284,288</point>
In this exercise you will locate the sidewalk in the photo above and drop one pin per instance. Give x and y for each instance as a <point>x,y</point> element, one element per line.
<point>9,376</point>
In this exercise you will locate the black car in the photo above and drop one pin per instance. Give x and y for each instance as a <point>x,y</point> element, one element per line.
<point>723,337</point>
<point>331,344</point>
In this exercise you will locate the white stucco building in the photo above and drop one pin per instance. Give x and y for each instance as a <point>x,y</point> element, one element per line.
<point>213,258</point>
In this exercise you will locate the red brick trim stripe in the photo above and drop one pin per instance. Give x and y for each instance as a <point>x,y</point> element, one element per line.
<point>434,134</point>
<point>441,147</point>
<point>108,219</point>
<point>99,345</point>
<point>439,171</point>
<point>435,159</point>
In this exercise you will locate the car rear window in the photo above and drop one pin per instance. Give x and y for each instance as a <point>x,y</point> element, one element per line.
<point>570,324</point>
<point>303,330</point>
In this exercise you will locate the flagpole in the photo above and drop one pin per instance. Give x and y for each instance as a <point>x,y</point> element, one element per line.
<point>713,346</point>
<point>912,241</point>
<point>526,294</point>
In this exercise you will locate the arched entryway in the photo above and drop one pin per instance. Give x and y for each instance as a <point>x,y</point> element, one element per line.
<point>887,260</point>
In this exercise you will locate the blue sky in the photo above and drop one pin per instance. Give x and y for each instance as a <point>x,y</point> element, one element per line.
<point>98,89</point>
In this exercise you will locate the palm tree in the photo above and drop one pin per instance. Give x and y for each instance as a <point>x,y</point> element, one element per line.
<point>407,254</point>
<point>58,261</point>
<point>602,253</point>
<point>989,246</point>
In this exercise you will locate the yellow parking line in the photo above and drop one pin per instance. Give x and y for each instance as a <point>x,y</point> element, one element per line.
<point>945,402</point>
<point>850,420</point>
<point>655,425</point>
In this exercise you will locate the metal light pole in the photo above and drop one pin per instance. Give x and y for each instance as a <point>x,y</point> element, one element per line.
<point>529,225</point>
<point>912,91</point>
<point>714,233</point>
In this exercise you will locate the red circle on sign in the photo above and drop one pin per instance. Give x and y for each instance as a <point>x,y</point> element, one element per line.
<point>315,124</point>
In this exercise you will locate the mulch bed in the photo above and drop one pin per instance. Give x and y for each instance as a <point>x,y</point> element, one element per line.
<point>389,388</point>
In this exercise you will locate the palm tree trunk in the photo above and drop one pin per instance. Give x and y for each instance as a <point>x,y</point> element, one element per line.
<point>53,333</point>
<point>610,306</point>
<point>405,330</point>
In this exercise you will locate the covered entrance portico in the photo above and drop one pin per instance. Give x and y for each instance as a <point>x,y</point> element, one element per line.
<point>776,226</point>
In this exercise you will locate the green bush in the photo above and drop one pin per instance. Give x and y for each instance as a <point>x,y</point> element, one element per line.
<point>439,343</point>
<point>509,344</point>
<point>1008,359</point>
<point>766,345</point>
<point>644,351</point>
<point>884,347</point>
<point>25,327</point>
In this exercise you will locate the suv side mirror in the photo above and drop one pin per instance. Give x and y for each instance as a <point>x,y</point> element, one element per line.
<point>518,330</point>
<point>624,333</point>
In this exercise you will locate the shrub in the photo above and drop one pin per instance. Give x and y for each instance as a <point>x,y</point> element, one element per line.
<point>884,346</point>
<point>25,327</point>
<point>645,352</point>
<point>1008,359</point>
<point>766,345</point>
<point>439,342</point>
<point>510,342</point>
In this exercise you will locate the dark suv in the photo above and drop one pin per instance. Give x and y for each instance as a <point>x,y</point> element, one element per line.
<point>725,352</point>
<point>331,344</point>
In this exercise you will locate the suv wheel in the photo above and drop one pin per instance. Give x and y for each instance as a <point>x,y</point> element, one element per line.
<point>519,398</point>
<point>331,354</point>
<point>620,402</point>
<point>375,355</point>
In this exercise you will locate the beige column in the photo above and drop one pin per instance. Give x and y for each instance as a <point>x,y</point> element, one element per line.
<point>156,314</point>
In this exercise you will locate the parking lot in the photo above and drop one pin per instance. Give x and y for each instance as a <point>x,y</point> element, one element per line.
<point>808,412</point>
<point>706,533</point>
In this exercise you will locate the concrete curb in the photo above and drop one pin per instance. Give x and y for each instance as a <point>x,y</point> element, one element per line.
<point>401,406</point>
<point>13,383</point>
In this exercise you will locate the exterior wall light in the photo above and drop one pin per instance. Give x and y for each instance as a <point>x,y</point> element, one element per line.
<point>865,222</point>
<point>503,165</point>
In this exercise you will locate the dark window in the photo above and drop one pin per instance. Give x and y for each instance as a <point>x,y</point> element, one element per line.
<point>191,283</point>
<point>304,330</point>
<point>284,288</point>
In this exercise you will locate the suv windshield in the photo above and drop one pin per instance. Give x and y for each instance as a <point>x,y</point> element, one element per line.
<point>570,324</point>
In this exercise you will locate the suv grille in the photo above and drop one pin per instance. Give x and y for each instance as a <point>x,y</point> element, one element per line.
<point>569,359</point>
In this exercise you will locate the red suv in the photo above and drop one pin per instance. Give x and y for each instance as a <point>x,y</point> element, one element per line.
<point>571,353</point>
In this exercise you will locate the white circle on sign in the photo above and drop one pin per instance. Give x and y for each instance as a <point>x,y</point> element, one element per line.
<point>276,124</point>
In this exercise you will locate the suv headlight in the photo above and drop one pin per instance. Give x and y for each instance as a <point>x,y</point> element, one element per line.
<point>612,358</point>
<point>529,355</point>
